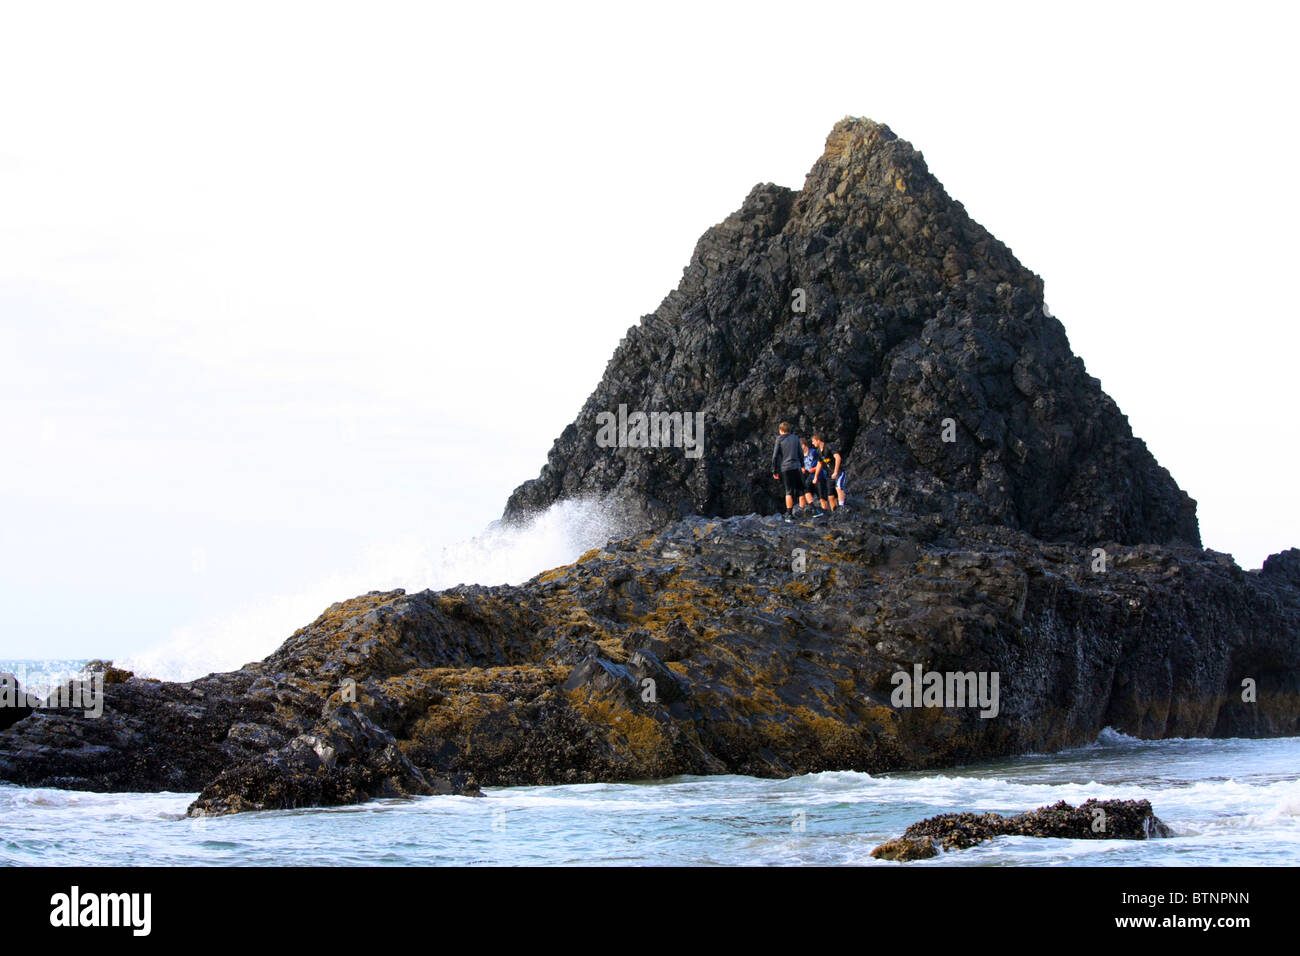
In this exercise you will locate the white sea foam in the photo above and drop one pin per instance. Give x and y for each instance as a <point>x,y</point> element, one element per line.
<point>38,677</point>
<point>1110,737</point>
<point>501,554</point>
<point>1236,802</point>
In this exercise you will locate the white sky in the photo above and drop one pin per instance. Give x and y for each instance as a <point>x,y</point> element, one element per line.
<point>281,283</point>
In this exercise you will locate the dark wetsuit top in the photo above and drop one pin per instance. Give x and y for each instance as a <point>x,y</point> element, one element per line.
<point>787,455</point>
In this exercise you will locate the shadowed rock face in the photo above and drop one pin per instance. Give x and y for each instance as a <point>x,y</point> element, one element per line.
<point>13,707</point>
<point>913,314</point>
<point>702,650</point>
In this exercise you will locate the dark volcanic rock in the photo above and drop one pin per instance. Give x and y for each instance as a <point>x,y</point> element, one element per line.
<point>13,700</point>
<point>756,669</point>
<point>914,314</point>
<point>702,647</point>
<point>1283,567</point>
<point>1093,820</point>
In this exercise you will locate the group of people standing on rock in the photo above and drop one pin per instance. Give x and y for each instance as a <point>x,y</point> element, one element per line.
<point>811,471</point>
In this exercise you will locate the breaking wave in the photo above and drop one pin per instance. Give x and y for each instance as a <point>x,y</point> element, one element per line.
<point>501,554</point>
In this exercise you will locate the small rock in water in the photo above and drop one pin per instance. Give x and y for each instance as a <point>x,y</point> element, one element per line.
<point>1093,820</point>
<point>904,849</point>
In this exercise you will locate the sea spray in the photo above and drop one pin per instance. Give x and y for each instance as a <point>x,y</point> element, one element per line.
<point>503,553</point>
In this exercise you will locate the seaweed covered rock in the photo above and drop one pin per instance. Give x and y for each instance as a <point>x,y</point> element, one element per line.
<point>1092,820</point>
<point>748,645</point>
<point>905,849</point>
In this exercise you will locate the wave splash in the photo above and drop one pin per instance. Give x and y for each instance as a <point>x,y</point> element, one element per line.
<point>500,554</point>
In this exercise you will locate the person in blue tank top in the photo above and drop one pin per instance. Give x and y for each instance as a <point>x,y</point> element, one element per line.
<point>809,466</point>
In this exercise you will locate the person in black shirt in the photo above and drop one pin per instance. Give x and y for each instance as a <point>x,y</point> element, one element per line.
<point>827,472</point>
<point>787,462</point>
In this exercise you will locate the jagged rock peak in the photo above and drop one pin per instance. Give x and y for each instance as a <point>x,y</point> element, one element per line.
<point>862,155</point>
<point>870,306</point>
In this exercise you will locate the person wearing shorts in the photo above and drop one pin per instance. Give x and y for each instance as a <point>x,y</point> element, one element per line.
<point>827,472</point>
<point>809,467</point>
<point>787,466</point>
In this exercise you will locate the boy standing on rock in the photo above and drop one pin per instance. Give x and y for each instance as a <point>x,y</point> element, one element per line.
<point>840,485</point>
<point>827,473</point>
<point>787,465</point>
<point>809,467</point>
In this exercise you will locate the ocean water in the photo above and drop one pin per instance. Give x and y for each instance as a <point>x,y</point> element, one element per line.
<point>1228,801</point>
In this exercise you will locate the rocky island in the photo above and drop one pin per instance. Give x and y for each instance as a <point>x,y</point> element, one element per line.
<point>1017,574</point>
